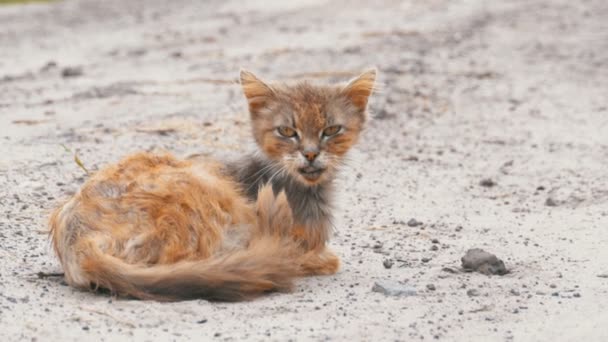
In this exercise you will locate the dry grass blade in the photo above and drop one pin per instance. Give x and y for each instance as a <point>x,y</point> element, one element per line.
<point>29,122</point>
<point>42,275</point>
<point>76,159</point>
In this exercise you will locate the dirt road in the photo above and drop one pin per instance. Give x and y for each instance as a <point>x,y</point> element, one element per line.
<point>491,130</point>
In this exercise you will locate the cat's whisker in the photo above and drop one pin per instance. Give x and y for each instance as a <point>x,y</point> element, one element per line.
<point>265,170</point>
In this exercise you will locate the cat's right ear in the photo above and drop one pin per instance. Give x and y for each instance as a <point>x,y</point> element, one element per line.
<point>257,92</point>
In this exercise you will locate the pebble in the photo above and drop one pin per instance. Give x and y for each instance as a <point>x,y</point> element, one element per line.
<point>487,182</point>
<point>483,262</point>
<point>71,72</point>
<point>473,292</point>
<point>388,263</point>
<point>393,288</point>
<point>550,202</point>
<point>431,287</point>
<point>414,223</point>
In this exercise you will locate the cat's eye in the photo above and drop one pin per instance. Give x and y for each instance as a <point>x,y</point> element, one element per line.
<point>287,132</point>
<point>332,130</point>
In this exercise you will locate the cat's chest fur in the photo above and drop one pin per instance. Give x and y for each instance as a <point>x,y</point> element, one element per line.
<point>311,205</point>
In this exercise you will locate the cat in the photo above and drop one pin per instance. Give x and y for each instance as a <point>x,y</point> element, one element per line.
<point>156,227</point>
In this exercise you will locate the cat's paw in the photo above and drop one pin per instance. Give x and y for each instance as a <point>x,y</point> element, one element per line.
<point>274,213</point>
<point>323,262</point>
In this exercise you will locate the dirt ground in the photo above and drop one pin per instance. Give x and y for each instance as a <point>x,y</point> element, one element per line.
<point>491,129</point>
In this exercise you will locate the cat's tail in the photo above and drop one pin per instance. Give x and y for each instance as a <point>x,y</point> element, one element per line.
<point>267,264</point>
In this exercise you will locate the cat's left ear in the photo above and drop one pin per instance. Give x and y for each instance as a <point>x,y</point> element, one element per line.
<point>360,88</point>
<point>257,92</point>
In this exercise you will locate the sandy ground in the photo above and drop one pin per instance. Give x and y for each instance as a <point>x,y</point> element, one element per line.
<point>511,91</point>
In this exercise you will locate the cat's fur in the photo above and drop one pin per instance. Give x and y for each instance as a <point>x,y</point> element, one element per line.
<point>155,227</point>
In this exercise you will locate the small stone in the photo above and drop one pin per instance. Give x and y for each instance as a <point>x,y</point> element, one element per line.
<point>473,293</point>
<point>71,72</point>
<point>550,202</point>
<point>414,223</point>
<point>576,295</point>
<point>425,260</point>
<point>388,263</point>
<point>515,292</point>
<point>434,248</point>
<point>449,270</point>
<point>431,287</point>
<point>483,262</point>
<point>393,288</point>
<point>85,328</point>
<point>202,321</point>
<point>459,228</point>
<point>487,182</point>
<point>435,241</point>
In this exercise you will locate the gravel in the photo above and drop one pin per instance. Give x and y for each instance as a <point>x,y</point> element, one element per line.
<point>393,288</point>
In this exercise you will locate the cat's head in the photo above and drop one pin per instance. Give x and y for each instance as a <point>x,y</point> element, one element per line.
<point>307,129</point>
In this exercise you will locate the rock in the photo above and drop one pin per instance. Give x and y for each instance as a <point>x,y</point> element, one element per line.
<point>473,292</point>
<point>550,202</point>
<point>414,223</point>
<point>431,287</point>
<point>487,182</point>
<point>393,288</point>
<point>71,72</point>
<point>564,196</point>
<point>483,262</point>
<point>388,263</point>
<point>449,270</point>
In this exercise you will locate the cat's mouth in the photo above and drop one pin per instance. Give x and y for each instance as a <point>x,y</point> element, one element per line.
<point>311,173</point>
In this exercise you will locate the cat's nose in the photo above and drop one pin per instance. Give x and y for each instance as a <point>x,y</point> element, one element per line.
<point>310,154</point>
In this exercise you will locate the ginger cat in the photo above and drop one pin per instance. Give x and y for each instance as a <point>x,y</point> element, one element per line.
<point>155,227</point>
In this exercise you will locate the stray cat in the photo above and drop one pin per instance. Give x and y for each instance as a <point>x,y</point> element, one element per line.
<point>156,227</point>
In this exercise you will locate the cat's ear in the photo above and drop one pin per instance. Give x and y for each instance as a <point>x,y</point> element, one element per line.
<point>360,88</point>
<point>257,92</point>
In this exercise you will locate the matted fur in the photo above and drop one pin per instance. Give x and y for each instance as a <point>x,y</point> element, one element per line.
<point>155,227</point>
